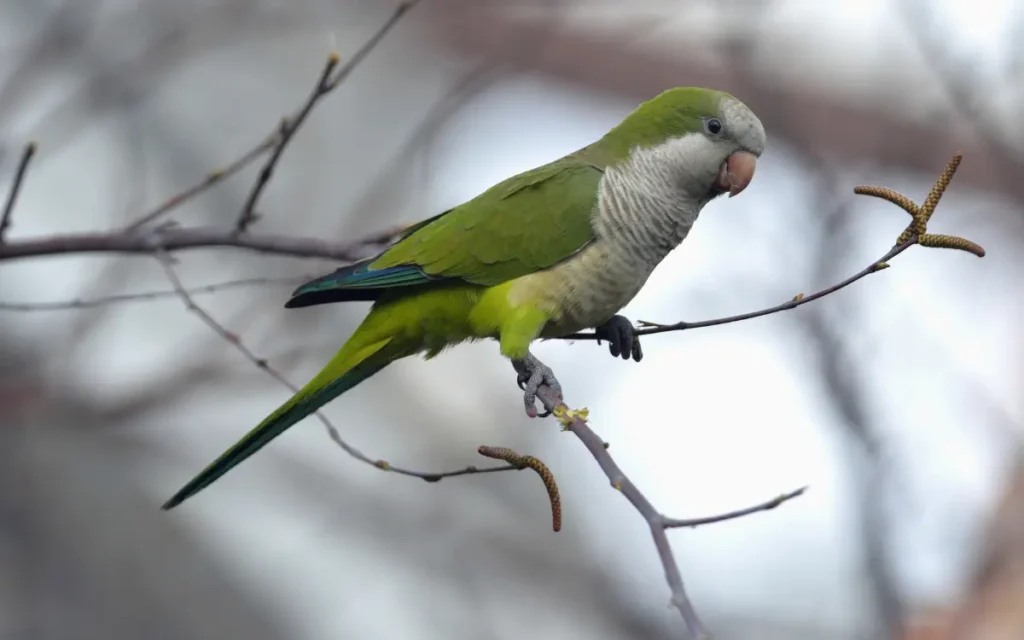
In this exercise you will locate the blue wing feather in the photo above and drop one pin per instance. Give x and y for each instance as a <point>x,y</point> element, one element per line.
<point>356,282</point>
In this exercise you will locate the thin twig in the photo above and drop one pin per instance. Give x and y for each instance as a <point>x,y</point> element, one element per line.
<point>286,131</point>
<point>650,328</point>
<point>768,505</point>
<point>90,303</point>
<point>576,422</point>
<point>236,341</point>
<point>289,126</point>
<point>531,462</point>
<point>368,47</point>
<point>12,194</point>
<point>172,238</point>
<point>214,177</point>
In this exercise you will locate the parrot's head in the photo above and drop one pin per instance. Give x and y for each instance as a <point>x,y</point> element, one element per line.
<point>708,138</point>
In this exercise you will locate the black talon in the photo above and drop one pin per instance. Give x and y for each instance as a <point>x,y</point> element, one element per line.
<point>622,339</point>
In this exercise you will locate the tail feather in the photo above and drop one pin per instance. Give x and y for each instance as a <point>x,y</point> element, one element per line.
<point>327,385</point>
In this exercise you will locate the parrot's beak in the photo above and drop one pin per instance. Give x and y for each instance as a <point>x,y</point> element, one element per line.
<point>736,173</point>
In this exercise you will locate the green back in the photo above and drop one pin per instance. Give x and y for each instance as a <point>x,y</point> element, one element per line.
<point>525,224</point>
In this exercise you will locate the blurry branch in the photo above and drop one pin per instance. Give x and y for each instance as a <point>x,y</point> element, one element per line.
<point>12,195</point>
<point>576,422</point>
<point>530,462</point>
<point>799,112</point>
<point>990,609</point>
<point>870,472</point>
<point>169,237</point>
<point>964,95</point>
<point>166,262</point>
<point>101,301</point>
<point>213,178</point>
<point>140,237</point>
<point>915,234</point>
<point>325,85</point>
<point>286,132</point>
<point>63,32</point>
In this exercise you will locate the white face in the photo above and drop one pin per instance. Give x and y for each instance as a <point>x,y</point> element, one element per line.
<point>720,158</point>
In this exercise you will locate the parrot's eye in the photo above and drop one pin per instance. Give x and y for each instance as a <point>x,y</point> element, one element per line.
<point>713,126</point>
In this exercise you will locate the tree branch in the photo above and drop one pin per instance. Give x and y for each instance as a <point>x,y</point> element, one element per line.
<point>324,85</point>
<point>12,195</point>
<point>144,296</point>
<point>576,422</point>
<point>173,238</point>
<point>286,131</point>
<point>768,505</point>
<point>214,177</point>
<point>132,238</point>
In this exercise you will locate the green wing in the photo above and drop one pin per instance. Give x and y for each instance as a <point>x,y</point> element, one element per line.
<point>525,224</point>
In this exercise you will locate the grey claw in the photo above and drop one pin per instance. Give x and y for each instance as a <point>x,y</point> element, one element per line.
<point>532,375</point>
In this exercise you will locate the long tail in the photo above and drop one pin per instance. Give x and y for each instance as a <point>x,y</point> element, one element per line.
<point>350,366</point>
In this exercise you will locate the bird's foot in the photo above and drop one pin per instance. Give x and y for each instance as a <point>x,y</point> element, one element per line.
<point>532,375</point>
<point>621,337</point>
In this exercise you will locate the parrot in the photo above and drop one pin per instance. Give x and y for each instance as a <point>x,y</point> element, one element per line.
<point>549,252</point>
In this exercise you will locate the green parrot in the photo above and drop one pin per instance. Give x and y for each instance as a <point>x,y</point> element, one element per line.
<point>545,253</point>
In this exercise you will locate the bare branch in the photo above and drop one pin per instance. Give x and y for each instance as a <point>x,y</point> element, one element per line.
<point>236,341</point>
<point>286,131</point>
<point>214,177</point>
<point>173,238</point>
<point>576,422</point>
<point>673,523</point>
<point>12,195</point>
<point>289,126</point>
<point>144,296</point>
<point>133,238</point>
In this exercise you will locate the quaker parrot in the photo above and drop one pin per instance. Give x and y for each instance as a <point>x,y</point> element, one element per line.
<point>545,253</point>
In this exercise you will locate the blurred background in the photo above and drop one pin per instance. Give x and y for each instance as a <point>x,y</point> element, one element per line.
<point>896,400</point>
